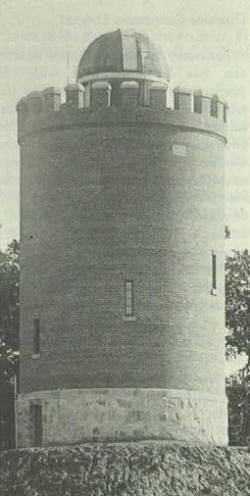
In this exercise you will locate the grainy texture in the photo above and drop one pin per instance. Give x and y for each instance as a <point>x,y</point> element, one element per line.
<point>80,415</point>
<point>110,194</point>
<point>146,469</point>
<point>105,203</point>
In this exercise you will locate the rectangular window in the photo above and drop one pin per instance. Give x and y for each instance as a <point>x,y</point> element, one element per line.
<point>214,282</point>
<point>36,336</point>
<point>129,298</point>
<point>36,412</point>
<point>214,107</point>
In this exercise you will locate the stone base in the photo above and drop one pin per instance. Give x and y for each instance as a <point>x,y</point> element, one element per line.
<point>80,415</point>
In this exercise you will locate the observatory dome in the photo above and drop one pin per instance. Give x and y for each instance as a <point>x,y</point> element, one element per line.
<point>121,52</point>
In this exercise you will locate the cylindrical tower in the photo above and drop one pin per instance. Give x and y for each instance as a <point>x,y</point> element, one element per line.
<point>122,262</point>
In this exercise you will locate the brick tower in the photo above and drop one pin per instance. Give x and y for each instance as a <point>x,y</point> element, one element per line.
<point>122,262</point>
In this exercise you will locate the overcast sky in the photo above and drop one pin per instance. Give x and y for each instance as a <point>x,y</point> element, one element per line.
<point>207,45</point>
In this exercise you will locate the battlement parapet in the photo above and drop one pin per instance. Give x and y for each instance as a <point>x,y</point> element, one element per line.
<point>129,93</point>
<point>75,96</point>
<point>100,95</point>
<point>22,112</point>
<point>34,102</point>
<point>52,99</point>
<point>210,105</point>
<point>182,99</point>
<point>44,109</point>
<point>219,108</point>
<point>158,96</point>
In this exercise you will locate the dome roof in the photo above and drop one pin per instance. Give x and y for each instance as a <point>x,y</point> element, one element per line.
<point>118,52</point>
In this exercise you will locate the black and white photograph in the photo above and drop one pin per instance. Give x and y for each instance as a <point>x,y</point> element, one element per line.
<point>125,248</point>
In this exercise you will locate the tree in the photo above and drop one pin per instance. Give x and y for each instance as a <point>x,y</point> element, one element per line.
<point>9,294</point>
<point>8,364</point>
<point>9,342</point>
<point>8,370</point>
<point>237,287</point>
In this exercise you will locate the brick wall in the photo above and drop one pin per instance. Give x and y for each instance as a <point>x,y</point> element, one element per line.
<point>102,203</point>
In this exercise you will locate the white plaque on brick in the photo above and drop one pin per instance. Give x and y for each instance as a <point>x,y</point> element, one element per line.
<point>179,150</point>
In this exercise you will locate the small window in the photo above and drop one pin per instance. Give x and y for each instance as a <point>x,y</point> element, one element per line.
<point>36,336</point>
<point>129,298</point>
<point>36,413</point>
<point>214,274</point>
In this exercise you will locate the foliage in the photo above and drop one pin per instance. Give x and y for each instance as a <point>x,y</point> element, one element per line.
<point>9,312</point>
<point>8,364</point>
<point>9,322</point>
<point>9,294</point>
<point>237,287</point>
<point>238,393</point>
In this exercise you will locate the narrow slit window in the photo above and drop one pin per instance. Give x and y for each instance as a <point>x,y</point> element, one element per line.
<point>129,298</point>
<point>214,108</point>
<point>36,336</point>
<point>36,411</point>
<point>214,282</point>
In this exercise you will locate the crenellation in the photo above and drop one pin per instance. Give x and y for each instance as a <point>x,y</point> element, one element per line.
<point>48,101</point>
<point>215,106</point>
<point>158,96</point>
<point>52,99</point>
<point>182,99</point>
<point>100,95</point>
<point>129,94</point>
<point>75,96</point>
<point>220,110</point>
<point>22,113</point>
<point>34,103</point>
<point>202,103</point>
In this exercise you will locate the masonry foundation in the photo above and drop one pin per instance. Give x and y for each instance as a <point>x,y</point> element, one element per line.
<point>79,415</point>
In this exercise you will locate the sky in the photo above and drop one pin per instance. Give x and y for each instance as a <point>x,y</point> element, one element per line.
<point>206,43</point>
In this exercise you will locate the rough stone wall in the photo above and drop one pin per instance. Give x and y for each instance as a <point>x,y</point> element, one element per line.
<point>73,416</point>
<point>101,204</point>
<point>145,469</point>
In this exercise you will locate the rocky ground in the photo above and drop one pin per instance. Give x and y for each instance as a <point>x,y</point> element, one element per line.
<point>126,469</point>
